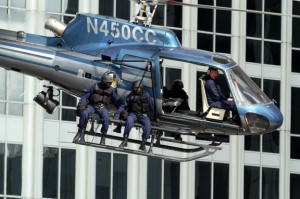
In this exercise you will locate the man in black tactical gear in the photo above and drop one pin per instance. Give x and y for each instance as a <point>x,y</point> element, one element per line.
<point>98,99</point>
<point>140,109</point>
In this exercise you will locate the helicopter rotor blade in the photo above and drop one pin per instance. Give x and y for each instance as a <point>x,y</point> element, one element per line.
<point>180,3</point>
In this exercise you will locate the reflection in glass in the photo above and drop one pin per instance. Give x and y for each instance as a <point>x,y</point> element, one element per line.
<point>251,182</point>
<point>3,2</point>
<point>171,75</point>
<point>171,180</point>
<point>159,16</point>
<point>18,3</point>
<point>50,172</point>
<point>67,180</point>
<point>15,109</point>
<point>272,90</point>
<point>71,8</point>
<point>221,181</point>
<point>103,173</point>
<point>154,178</point>
<point>273,6</point>
<point>53,6</point>
<point>224,3</point>
<point>254,4</point>
<point>296,7</point>
<point>270,183</point>
<point>68,100</point>
<point>2,108</point>
<point>203,180</point>
<point>2,160</point>
<point>120,176</point>
<point>296,32</point>
<point>16,86</point>
<point>2,83</point>
<point>294,186</point>
<point>14,169</point>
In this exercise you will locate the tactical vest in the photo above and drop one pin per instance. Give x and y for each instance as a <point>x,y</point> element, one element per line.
<point>139,104</point>
<point>101,96</point>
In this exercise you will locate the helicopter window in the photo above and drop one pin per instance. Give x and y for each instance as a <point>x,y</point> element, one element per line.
<point>245,90</point>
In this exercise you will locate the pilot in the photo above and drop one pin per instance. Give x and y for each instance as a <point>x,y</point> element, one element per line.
<point>215,97</point>
<point>140,109</point>
<point>178,92</point>
<point>98,99</point>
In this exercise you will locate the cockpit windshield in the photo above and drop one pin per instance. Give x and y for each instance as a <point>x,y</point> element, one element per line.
<point>245,91</point>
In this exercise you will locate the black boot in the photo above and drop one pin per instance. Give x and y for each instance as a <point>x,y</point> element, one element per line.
<point>102,141</point>
<point>143,147</point>
<point>124,142</point>
<point>79,137</point>
<point>118,129</point>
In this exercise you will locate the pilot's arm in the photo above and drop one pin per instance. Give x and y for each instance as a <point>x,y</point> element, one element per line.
<point>115,98</point>
<point>122,106</point>
<point>214,91</point>
<point>84,100</point>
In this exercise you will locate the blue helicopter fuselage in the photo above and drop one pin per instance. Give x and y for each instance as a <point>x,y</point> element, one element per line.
<point>92,45</point>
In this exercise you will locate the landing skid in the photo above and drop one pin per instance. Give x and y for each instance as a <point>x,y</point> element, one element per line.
<point>185,151</point>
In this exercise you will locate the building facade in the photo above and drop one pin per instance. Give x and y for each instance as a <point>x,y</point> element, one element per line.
<point>38,160</point>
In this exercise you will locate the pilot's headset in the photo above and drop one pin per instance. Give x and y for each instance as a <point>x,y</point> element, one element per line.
<point>177,84</point>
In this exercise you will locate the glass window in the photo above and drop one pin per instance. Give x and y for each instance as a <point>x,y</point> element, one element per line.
<point>272,90</point>
<point>294,186</point>
<point>254,5</point>
<point>2,161</point>
<point>67,180</point>
<point>271,142</point>
<point>171,180</point>
<point>295,114</point>
<point>273,6</point>
<point>223,19</point>
<point>296,61</point>
<point>270,183</point>
<point>123,9</point>
<point>272,29</point>
<point>14,169</point>
<point>295,147</point>
<point>103,175</point>
<point>3,2</point>
<point>159,17</point>
<point>223,44</point>
<point>253,51</point>
<point>296,32</point>
<point>106,7</point>
<point>16,86</point>
<point>203,180</point>
<point>120,176</point>
<point>252,142</point>
<point>15,109</point>
<point>254,26</point>
<point>70,101</point>
<point>154,178</point>
<point>251,182</point>
<point>53,5</point>
<point>2,108</point>
<point>296,7</point>
<point>221,181</point>
<point>205,19</point>
<point>272,53</point>
<point>3,84</point>
<point>171,75</point>
<point>205,41</point>
<point>174,14</point>
<point>50,172</point>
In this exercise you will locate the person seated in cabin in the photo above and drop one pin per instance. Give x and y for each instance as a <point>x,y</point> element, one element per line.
<point>215,97</point>
<point>140,109</point>
<point>177,92</point>
<point>98,100</point>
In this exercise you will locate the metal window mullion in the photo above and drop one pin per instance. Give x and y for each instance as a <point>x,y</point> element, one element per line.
<point>5,166</point>
<point>59,172</point>
<point>212,180</point>
<point>162,178</point>
<point>111,174</point>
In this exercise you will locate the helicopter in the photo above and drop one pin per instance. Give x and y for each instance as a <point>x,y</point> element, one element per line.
<point>92,45</point>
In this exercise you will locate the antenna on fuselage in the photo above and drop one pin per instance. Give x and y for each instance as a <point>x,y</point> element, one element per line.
<point>145,16</point>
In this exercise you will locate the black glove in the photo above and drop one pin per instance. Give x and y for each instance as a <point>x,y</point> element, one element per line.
<point>80,107</point>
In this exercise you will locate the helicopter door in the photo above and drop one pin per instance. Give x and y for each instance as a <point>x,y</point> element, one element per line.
<point>136,65</point>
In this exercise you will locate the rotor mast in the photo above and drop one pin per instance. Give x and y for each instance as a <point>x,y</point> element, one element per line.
<point>145,16</point>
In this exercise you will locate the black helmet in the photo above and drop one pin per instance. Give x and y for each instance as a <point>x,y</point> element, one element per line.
<point>177,84</point>
<point>137,84</point>
<point>106,78</point>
